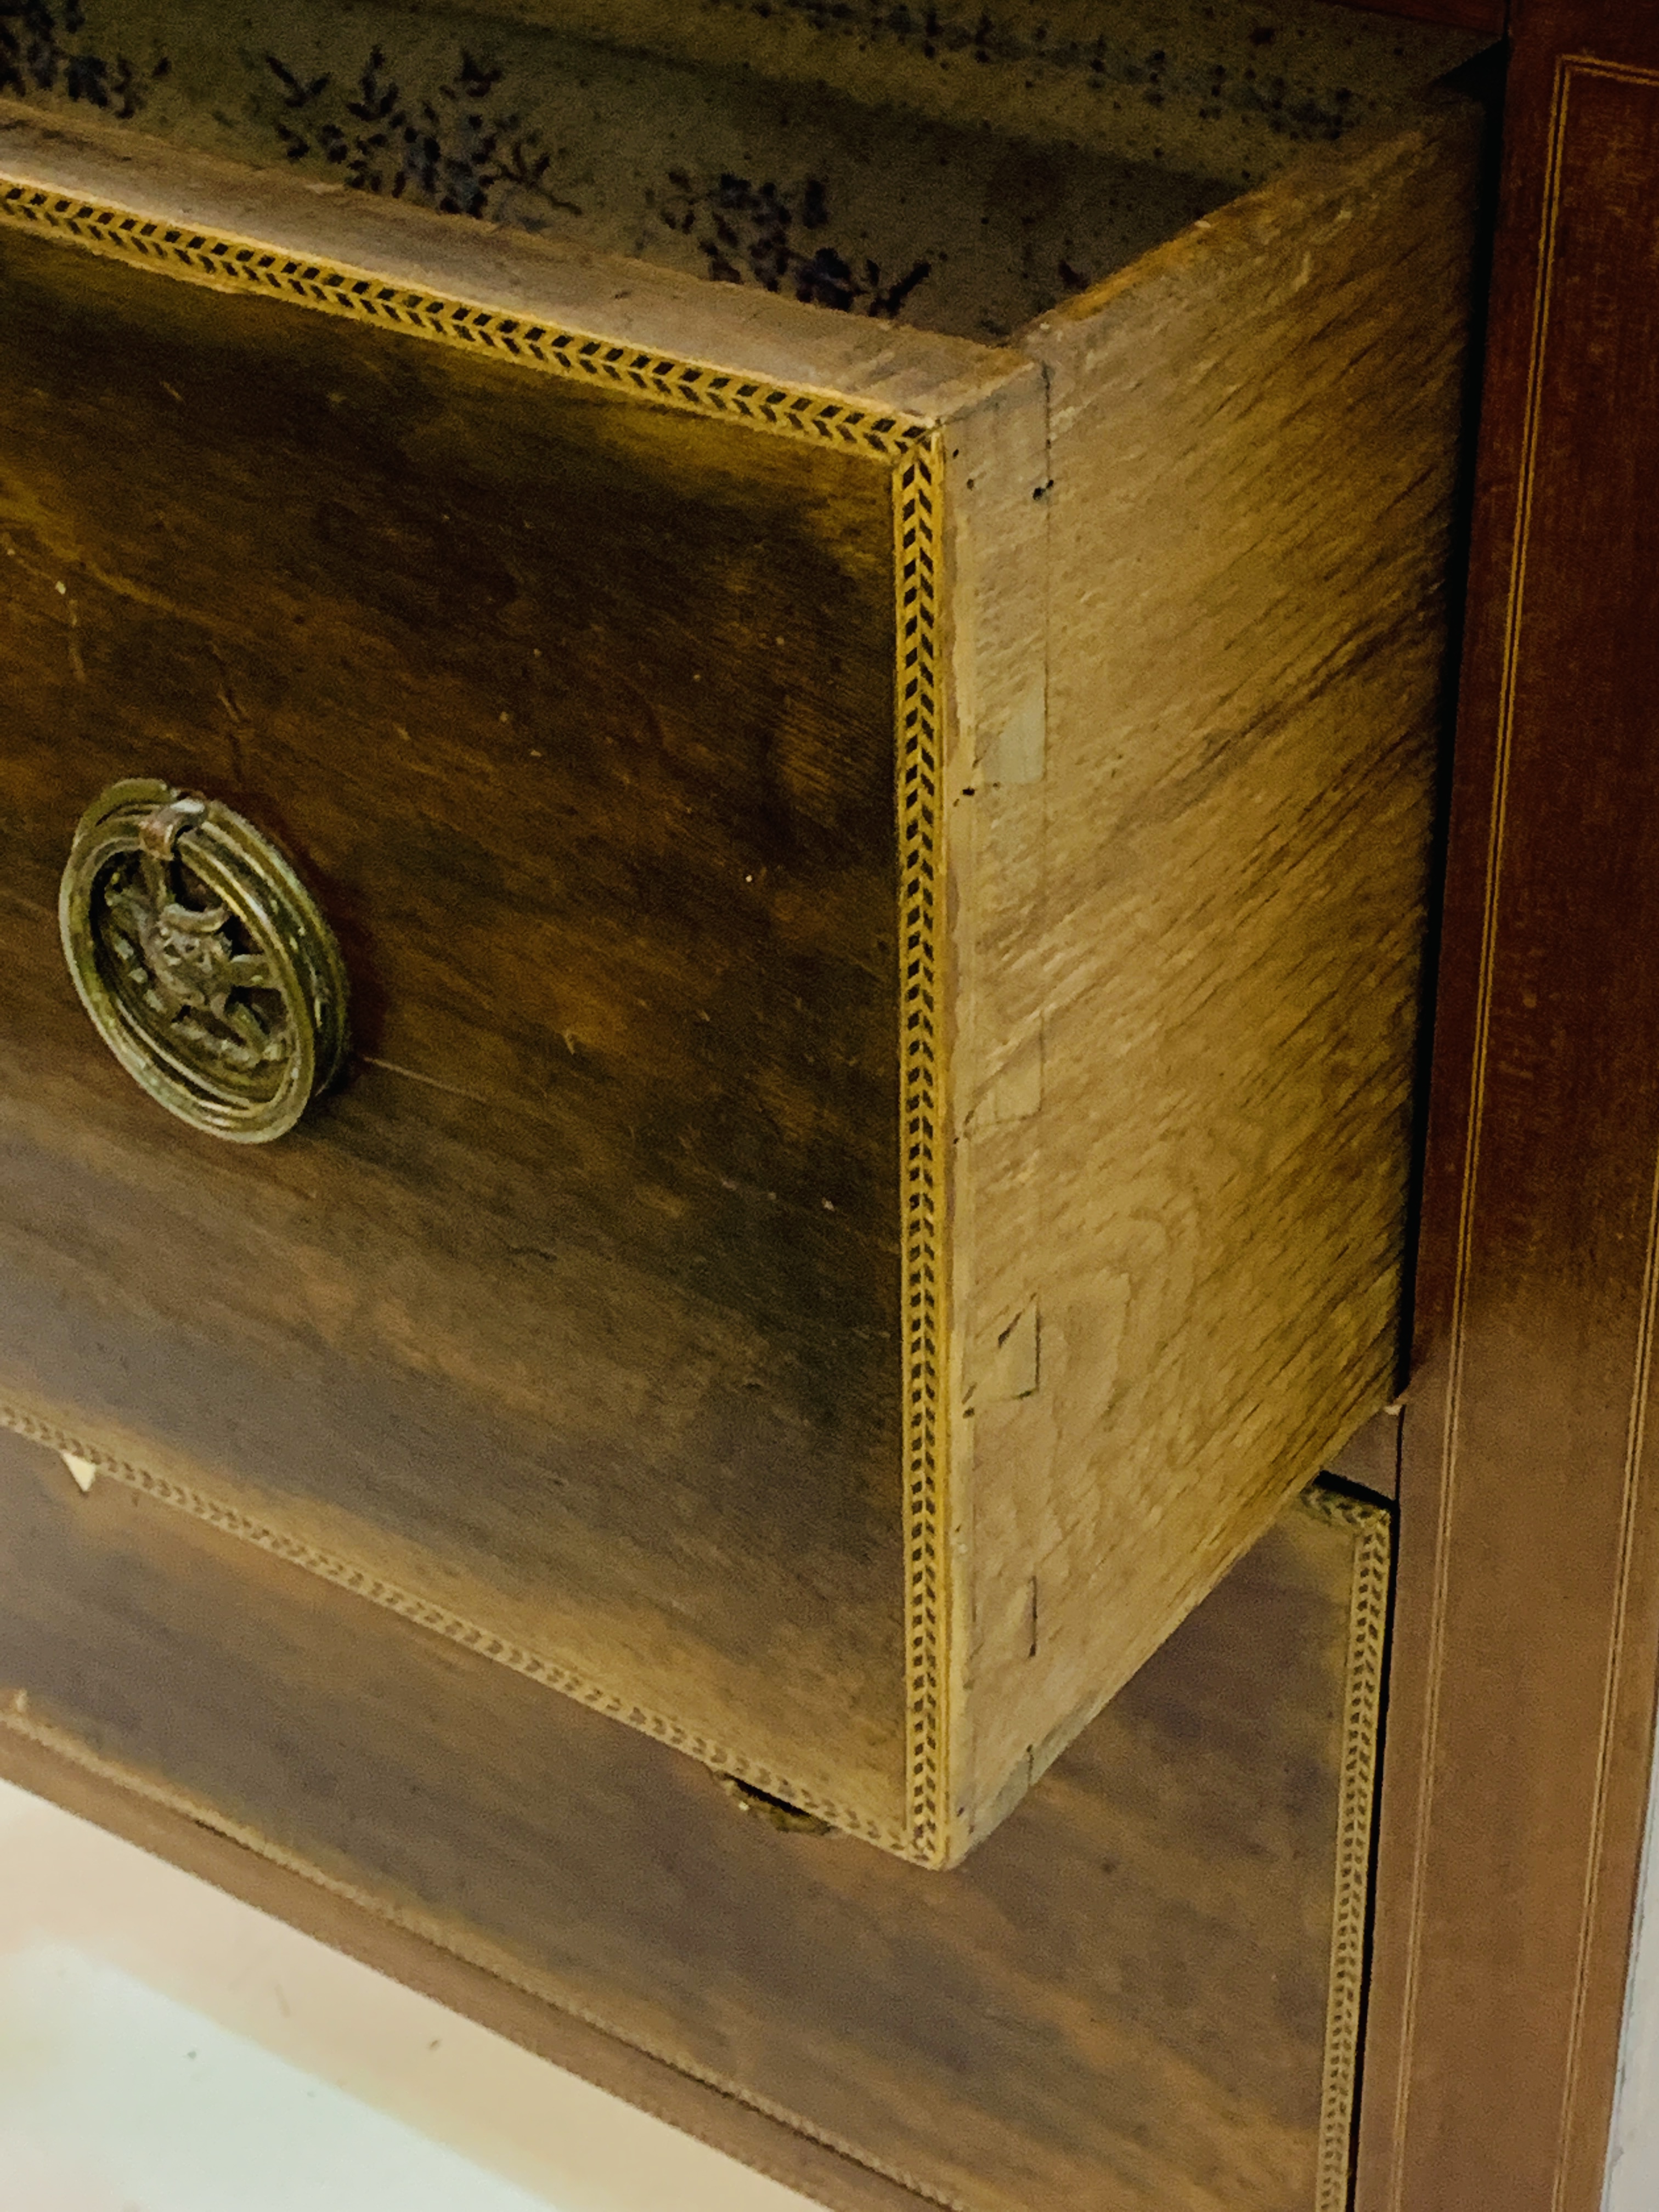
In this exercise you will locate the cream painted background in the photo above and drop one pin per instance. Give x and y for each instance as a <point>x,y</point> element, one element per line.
<point>165,2048</point>
<point>1632,2182</point>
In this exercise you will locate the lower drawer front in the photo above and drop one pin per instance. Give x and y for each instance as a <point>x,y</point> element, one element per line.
<point>1141,1992</point>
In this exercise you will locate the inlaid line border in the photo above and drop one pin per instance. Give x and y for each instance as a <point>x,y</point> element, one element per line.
<point>917,484</point>
<point>408,1605</point>
<point>226,261</point>
<point>1372,1525</point>
<point>1568,66</point>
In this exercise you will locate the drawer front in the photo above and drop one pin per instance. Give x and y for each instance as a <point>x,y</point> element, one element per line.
<point>572,1318</point>
<point>1143,1992</point>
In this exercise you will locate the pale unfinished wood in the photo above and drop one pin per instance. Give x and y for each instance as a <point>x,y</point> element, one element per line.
<point>1196,1237</point>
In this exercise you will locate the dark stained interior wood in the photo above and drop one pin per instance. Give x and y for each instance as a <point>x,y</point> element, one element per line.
<point>1117,2005</point>
<point>576,1309</point>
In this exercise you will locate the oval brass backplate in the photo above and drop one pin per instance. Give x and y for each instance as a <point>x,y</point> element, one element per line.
<point>202,960</point>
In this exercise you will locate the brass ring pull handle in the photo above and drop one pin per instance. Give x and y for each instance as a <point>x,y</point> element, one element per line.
<point>202,960</point>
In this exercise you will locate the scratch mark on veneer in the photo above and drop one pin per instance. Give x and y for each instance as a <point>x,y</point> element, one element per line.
<point>123,588</point>
<point>77,665</point>
<point>36,908</point>
<point>239,721</point>
<point>432,1082</point>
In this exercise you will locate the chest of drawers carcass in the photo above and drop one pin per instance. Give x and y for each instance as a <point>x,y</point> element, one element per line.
<point>878,860</point>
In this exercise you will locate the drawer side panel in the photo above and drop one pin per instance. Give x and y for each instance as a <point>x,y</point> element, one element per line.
<point>1254,442</point>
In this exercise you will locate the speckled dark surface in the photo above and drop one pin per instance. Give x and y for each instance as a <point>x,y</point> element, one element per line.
<point>1017,155</point>
<point>1225,86</point>
<point>737,143</point>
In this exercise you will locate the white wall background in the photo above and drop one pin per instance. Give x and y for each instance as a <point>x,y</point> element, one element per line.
<point>165,2048</point>
<point>1632,2183</point>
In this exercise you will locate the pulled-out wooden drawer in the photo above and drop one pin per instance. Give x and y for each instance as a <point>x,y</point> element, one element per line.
<point>1143,1992</point>
<point>882,882</point>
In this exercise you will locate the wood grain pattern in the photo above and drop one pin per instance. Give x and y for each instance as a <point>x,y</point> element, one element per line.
<point>156,1820</point>
<point>857,1420</point>
<point>1122,2002</point>
<point>1199,1224</point>
<point>1522,1704</point>
<point>510,1322</point>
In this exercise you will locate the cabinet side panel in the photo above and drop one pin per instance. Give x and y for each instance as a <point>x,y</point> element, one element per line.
<point>1254,442</point>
